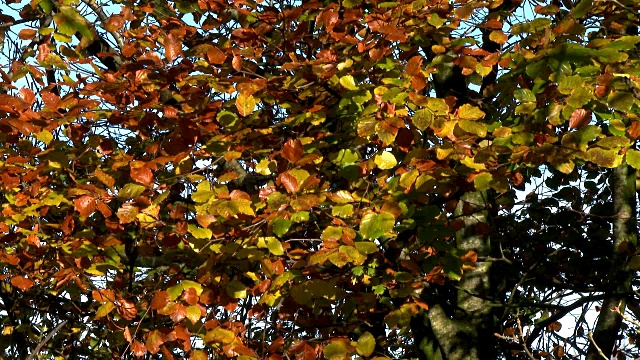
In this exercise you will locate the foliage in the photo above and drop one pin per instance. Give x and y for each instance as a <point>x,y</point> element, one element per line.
<point>260,179</point>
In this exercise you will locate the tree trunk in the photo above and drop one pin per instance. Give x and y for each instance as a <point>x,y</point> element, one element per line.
<point>467,333</point>
<point>625,229</point>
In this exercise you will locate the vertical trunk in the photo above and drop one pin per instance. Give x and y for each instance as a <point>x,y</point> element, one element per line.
<point>467,333</point>
<point>625,229</point>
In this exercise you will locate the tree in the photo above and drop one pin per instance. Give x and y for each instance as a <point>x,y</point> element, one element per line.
<point>262,179</point>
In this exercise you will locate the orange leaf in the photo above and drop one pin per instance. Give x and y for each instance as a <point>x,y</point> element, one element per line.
<point>292,150</point>
<point>413,65</point>
<point>103,296</point>
<point>138,349</point>
<point>22,283</point>
<point>27,34</point>
<point>236,63</point>
<point>172,47</point>
<point>154,340</point>
<point>127,334</point>
<point>179,313</point>
<point>85,205</point>
<point>579,118</point>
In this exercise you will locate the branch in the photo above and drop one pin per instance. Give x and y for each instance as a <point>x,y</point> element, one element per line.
<point>103,19</point>
<point>36,351</point>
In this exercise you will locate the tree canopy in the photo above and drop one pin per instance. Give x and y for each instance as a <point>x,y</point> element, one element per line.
<point>279,179</point>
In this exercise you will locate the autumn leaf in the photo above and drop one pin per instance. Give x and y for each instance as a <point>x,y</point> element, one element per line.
<point>292,150</point>
<point>85,205</point>
<point>172,47</point>
<point>22,283</point>
<point>579,118</point>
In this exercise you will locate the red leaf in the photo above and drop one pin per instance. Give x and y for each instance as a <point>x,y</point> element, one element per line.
<point>160,300</point>
<point>22,283</point>
<point>85,205</point>
<point>27,95</point>
<point>579,118</point>
<point>172,47</point>
<point>292,150</point>
<point>289,182</point>
<point>413,65</point>
<point>138,349</point>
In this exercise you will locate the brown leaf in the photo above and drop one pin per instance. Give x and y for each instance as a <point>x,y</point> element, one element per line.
<point>85,205</point>
<point>579,119</point>
<point>22,283</point>
<point>160,300</point>
<point>105,178</point>
<point>138,349</point>
<point>154,340</point>
<point>215,55</point>
<point>172,47</point>
<point>292,150</point>
<point>127,309</point>
<point>179,313</point>
<point>127,213</point>
<point>141,173</point>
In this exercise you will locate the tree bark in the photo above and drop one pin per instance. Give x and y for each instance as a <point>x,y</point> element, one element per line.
<point>467,333</point>
<point>625,229</point>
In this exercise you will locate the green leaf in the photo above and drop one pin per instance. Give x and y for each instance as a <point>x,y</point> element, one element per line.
<point>385,160</point>
<point>199,233</point>
<point>175,292</point>
<point>483,181</point>
<point>271,243</point>
<point>373,225</point>
<point>366,344</point>
<point>621,100</point>
<point>470,112</point>
<point>524,95</point>
<point>422,119</point>
<point>130,191</point>
<point>345,157</point>
<point>281,226</point>
<point>193,314</point>
<point>366,247</point>
<point>633,158</point>
<point>336,350</point>
<point>343,211</point>
<point>348,82</point>
<point>236,289</point>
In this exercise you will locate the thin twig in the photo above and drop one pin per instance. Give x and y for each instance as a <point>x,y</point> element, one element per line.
<point>590,334</point>
<point>36,351</point>
<point>522,340</point>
